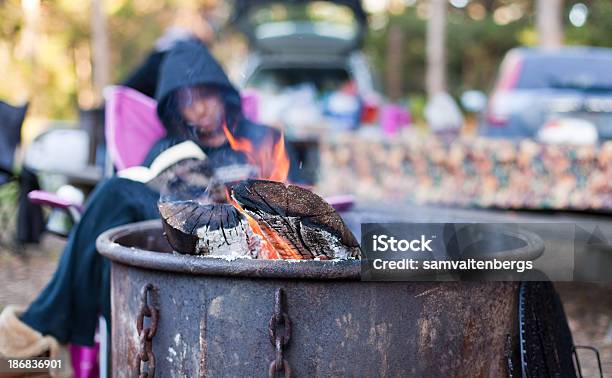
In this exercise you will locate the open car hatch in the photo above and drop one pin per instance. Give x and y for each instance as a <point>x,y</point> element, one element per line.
<point>301,26</point>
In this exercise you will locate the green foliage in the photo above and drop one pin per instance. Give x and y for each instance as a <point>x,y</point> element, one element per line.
<point>39,59</point>
<point>414,51</point>
<point>9,192</point>
<point>417,106</point>
<point>597,31</point>
<point>474,49</point>
<point>131,20</point>
<point>35,50</point>
<point>42,53</point>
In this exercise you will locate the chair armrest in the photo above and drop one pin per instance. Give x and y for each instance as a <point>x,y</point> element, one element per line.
<point>41,197</point>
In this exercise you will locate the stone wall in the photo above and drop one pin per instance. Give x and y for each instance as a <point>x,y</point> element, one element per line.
<point>468,171</point>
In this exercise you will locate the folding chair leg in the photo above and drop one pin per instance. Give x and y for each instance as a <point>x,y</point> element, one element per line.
<point>104,358</point>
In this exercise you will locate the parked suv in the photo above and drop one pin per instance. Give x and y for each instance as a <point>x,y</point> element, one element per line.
<point>543,89</point>
<point>312,47</point>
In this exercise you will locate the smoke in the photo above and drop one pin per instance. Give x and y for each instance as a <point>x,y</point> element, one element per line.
<point>187,180</point>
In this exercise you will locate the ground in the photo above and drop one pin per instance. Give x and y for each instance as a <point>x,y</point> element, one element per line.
<point>588,306</point>
<point>589,311</point>
<point>22,278</point>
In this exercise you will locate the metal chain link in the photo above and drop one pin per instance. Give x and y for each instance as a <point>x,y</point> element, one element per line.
<point>279,329</point>
<point>146,358</point>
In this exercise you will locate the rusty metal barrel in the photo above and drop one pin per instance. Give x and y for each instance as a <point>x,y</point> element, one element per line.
<point>197,316</point>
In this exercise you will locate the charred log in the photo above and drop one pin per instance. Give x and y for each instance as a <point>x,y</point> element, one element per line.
<point>309,227</point>
<point>206,229</point>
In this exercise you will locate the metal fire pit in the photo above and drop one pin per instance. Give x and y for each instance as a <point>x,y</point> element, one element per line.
<point>215,318</point>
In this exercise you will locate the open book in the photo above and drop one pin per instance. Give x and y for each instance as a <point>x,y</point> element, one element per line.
<point>166,159</point>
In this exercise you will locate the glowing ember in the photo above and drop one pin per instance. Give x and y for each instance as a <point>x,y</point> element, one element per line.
<point>272,245</point>
<point>296,221</point>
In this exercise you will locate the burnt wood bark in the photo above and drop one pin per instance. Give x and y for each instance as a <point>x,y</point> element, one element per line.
<point>206,229</point>
<point>308,224</point>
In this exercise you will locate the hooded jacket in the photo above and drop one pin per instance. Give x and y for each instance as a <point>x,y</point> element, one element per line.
<point>190,64</point>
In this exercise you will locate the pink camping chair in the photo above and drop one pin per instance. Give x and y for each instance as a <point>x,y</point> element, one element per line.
<point>131,126</point>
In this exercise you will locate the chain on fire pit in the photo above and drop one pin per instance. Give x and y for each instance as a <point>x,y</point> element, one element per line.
<point>145,334</point>
<point>279,329</point>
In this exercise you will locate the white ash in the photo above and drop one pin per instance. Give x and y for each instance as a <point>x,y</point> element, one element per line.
<point>237,242</point>
<point>226,258</point>
<point>340,251</point>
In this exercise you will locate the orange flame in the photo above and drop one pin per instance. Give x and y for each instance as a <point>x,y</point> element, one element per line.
<point>271,157</point>
<point>273,245</point>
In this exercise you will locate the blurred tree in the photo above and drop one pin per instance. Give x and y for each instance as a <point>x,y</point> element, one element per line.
<point>477,37</point>
<point>395,57</point>
<point>46,49</point>
<point>549,22</point>
<point>435,42</point>
<point>99,41</point>
<point>597,28</point>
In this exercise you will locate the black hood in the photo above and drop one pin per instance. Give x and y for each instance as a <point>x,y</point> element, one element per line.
<point>188,64</point>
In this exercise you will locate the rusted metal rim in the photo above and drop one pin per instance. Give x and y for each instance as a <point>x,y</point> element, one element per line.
<point>172,262</point>
<point>316,270</point>
<point>533,248</point>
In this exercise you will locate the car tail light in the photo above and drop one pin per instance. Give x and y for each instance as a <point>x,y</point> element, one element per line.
<point>509,76</point>
<point>369,114</point>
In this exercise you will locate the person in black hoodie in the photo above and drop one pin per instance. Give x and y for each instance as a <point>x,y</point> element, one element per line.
<point>195,101</point>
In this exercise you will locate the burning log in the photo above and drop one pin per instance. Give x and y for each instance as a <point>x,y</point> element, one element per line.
<point>207,229</point>
<point>266,219</point>
<point>195,216</point>
<point>296,222</point>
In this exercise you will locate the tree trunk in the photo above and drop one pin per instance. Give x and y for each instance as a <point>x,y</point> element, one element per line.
<point>101,75</point>
<point>395,62</point>
<point>435,80</point>
<point>27,47</point>
<point>549,22</point>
